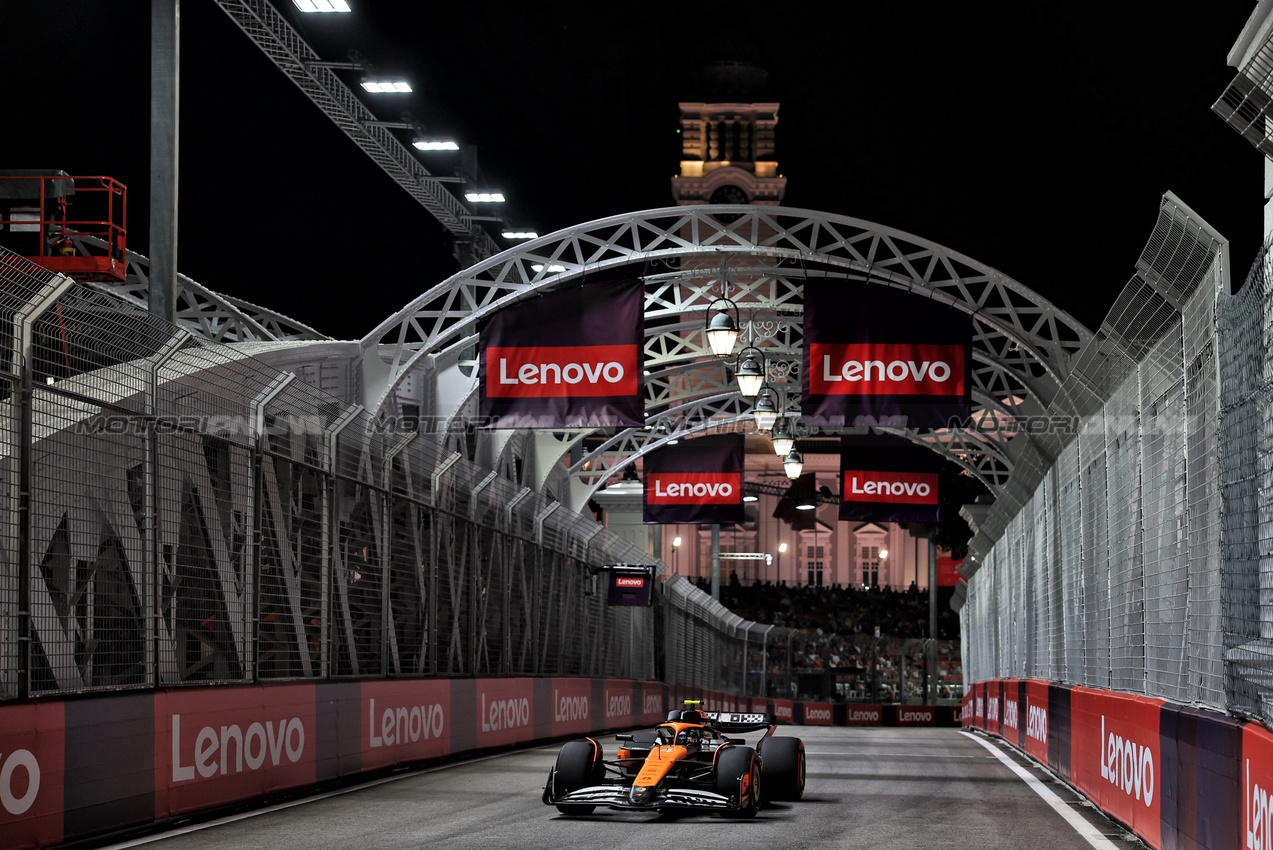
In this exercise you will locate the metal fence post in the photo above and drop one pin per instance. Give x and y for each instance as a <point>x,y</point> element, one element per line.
<point>150,459</point>
<point>24,343</point>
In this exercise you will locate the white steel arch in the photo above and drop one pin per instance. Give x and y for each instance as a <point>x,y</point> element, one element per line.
<point>1024,346</point>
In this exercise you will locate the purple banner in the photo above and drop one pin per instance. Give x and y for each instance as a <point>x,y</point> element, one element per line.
<point>880,356</point>
<point>696,481</point>
<point>882,480</point>
<point>569,359</point>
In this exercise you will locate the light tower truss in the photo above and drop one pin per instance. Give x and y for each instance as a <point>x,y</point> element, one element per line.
<point>1023,346</point>
<point>276,38</point>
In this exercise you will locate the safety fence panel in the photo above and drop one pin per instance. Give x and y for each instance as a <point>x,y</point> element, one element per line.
<point>10,535</point>
<point>1119,550</point>
<point>1245,325</point>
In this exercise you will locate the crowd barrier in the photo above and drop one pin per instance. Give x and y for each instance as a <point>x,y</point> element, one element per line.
<point>82,767</point>
<point>1177,776</point>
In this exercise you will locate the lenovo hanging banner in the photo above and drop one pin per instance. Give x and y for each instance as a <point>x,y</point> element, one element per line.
<point>879,356</point>
<point>696,481</point>
<point>565,360</point>
<point>887,482</point>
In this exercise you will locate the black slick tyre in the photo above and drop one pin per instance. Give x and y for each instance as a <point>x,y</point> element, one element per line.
<point>783,768</point>
<point>577,766</point>
<point>738,775</point>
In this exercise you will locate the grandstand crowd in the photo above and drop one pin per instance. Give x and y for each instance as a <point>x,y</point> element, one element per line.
<point>839,610</point>
<point>852,643</point>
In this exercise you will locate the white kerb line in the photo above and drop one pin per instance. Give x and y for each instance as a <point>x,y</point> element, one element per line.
<point>1088,831</point>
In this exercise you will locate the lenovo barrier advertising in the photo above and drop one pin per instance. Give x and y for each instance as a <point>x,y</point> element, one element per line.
<point>696,481</point>
<point>568,359</point>
<point>886,480</point>
<point>880,356</point>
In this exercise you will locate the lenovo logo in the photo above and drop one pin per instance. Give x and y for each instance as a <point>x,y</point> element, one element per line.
<point>992,709</point>
<point>561,371</point>
<point>693,488</point>
<point>1127,765</point>
<point>911,488</point>
<point>17,804</point>
<point>653,704</point>
<point>1036,724</point>
<point>886,369</point>
<point>782,712</point>
<point>618,705</point>
<point>629,582</point>
<point>817,713</point>
<point>231,748</point>
<point>404,724</point>
<point>862,715</point>
<point>915,715</point>
<point>508,714</point>
<point>1010,714</point>
<point>567,708</point>
<point>1259,817</point>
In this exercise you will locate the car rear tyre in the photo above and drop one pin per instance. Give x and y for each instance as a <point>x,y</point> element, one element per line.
<point>783,766</point>
<point>738,775</point>
<point>578,766</point>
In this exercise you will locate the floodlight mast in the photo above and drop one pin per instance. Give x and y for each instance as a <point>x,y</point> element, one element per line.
<point>278,40</point>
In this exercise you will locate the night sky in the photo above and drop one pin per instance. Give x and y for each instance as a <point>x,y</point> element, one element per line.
<point>1037,138</point>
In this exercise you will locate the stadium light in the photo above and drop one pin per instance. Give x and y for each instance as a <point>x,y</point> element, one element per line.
<point>311,6</point>
<point>427,144</point>
<point>386,86</point>
<point>484,197</point>
<point>526,234</point>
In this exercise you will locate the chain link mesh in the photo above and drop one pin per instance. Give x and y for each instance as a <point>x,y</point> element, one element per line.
<point>1134,576</point>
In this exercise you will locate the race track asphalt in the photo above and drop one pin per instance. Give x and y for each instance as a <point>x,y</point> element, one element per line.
<point>876,788</point>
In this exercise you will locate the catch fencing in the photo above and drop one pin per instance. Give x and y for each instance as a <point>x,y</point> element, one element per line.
<point>179,512</point>
<point>1141,562</point>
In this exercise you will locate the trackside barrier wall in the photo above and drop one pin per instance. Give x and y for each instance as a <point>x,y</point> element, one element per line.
<point>1177,776</point>
<point>77,768</point>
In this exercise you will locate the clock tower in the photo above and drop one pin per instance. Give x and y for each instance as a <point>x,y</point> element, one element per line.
<point>727,145</point>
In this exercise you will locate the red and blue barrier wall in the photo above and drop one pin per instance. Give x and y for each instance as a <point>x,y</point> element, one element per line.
<point>1177,776</point>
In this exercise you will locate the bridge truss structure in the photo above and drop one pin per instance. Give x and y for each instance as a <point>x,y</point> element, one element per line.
<point>1023,355</point>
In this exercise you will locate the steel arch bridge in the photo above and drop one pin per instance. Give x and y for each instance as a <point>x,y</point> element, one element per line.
<point>1024,346</point>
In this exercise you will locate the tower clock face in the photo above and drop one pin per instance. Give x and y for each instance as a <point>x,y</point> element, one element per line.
<point>728,194</point>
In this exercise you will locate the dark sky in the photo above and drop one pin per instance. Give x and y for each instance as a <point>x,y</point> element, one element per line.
<point>1034,137</point>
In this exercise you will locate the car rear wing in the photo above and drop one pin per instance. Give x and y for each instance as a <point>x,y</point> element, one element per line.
<point>731,721</point>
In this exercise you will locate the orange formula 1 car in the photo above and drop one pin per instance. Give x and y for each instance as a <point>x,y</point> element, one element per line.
<point>685,763</point>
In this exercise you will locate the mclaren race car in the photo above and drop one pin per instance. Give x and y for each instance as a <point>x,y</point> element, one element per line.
<point>686,763</point>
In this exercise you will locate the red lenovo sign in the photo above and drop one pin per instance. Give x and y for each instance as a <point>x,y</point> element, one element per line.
<point>562,371</point>
<point>693,488</point>
<point>886,369</point>
<point>902,488</point>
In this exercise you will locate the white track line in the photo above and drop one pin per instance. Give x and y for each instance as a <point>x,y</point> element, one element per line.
<point>1088,831</point>
<point>278,807</point>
